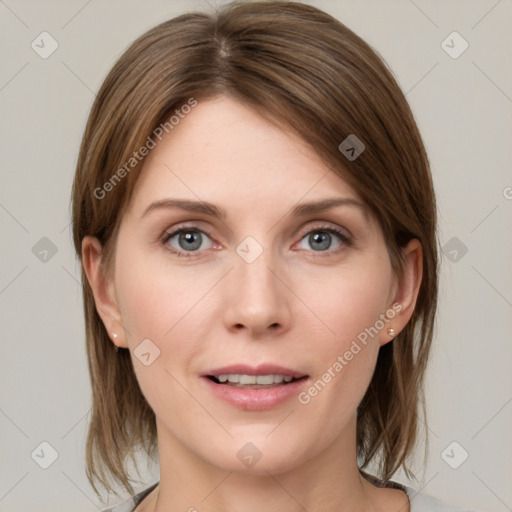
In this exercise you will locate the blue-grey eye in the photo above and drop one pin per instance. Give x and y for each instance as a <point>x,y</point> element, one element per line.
<point>320,241</point>
<point>187,240</point>
<point>324,239</point>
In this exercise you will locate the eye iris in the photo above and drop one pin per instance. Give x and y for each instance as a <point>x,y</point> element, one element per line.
<point>190,240</point>
<point>321,238</point>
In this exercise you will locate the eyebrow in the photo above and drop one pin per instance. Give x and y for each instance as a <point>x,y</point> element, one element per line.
<point>212,210</point>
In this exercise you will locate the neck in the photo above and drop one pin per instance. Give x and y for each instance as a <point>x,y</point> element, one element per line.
<point>327,482</point>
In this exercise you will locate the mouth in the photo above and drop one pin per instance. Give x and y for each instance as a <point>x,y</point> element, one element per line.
<point>257,388</point>
<point>254,377</point>
<point>254,381</point>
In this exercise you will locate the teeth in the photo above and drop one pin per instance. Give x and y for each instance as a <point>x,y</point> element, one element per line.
<point>254,379</point>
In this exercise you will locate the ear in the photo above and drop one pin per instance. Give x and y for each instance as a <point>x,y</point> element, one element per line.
<point>103,290</point>
<point>406,292</point>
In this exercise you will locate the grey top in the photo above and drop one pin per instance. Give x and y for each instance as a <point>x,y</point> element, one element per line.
<point>419,502</point>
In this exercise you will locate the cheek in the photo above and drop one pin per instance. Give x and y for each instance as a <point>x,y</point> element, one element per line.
<point>145,306</point>
<point>347,305</point>
<point>153,297</point>
<point>166,305</point>
<point>347,300</point>
<point>156,303</point>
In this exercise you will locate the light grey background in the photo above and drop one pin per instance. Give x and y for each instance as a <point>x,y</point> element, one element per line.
<point>464,109</point>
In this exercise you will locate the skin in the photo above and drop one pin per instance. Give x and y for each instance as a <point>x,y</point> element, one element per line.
<point>295,305</point>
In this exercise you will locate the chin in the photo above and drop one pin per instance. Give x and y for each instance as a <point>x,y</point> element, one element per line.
<point>255,455</point>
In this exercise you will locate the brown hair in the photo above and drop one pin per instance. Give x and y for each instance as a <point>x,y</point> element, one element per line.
<point>301,69</point>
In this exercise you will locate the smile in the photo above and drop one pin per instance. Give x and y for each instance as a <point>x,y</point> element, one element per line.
<point>252,381</point>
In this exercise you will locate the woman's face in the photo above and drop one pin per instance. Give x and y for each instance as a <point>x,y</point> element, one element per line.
<point>255,278</point>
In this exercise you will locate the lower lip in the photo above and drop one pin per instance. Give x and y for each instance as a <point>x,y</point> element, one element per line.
<point>256,399</point>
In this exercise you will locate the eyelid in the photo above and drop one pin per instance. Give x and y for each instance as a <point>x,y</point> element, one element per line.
<point>346,239</point>
<point>169,233</point>
<point>326,226</point>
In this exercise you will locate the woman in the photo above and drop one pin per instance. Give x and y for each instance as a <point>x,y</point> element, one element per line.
<point>254,212</point>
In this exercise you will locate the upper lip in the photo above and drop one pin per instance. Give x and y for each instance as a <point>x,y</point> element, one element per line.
<point>262,369</point>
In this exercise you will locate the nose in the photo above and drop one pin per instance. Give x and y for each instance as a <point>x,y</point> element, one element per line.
<point>257,299</point>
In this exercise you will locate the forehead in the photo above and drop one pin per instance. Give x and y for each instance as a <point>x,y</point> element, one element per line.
<point>224,151</point>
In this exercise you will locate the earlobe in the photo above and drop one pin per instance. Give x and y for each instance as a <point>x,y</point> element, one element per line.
<point>407,289</point>
<point>103,290</point>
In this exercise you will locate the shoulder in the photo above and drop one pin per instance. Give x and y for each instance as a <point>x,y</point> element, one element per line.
<point>423,503</point>
<point>131,503</point>
<point>419,502</point>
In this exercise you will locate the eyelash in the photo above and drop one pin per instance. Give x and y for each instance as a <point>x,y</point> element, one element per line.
<point>345,240</point>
